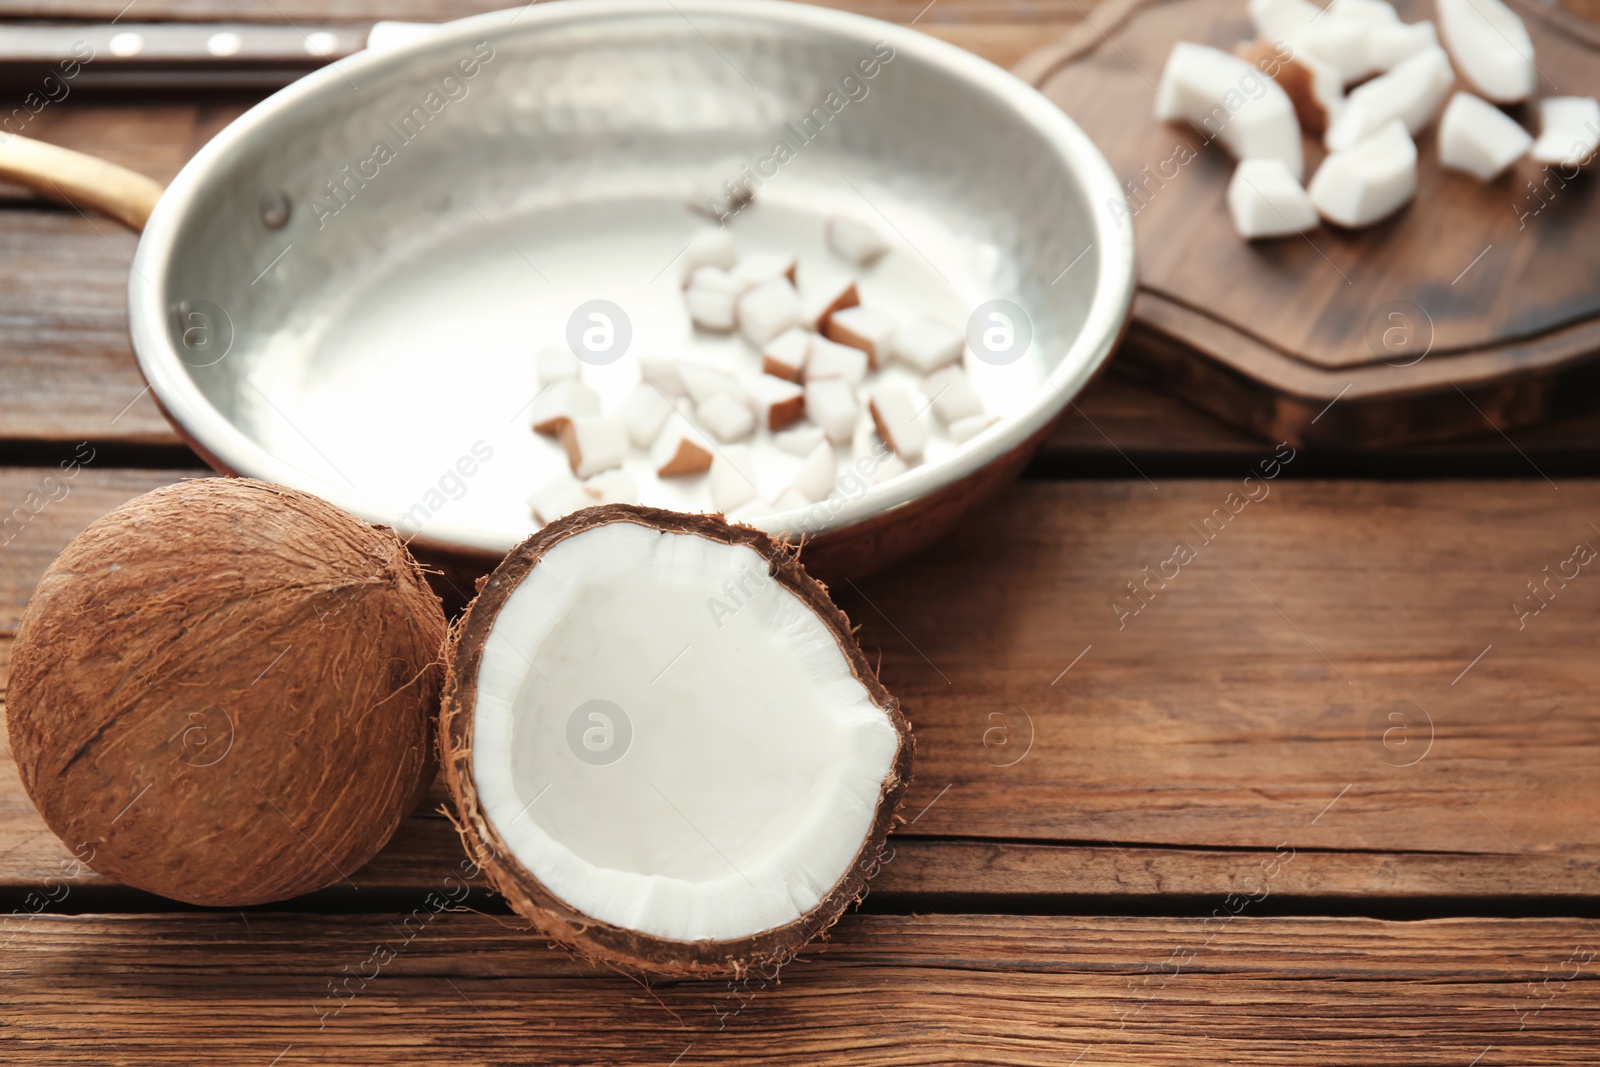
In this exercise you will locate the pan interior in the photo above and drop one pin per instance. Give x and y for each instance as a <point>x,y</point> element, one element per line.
<point>444,225</point>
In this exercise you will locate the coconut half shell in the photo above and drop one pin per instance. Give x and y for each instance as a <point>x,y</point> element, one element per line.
<point>481,651</point>
<point>223,692</point>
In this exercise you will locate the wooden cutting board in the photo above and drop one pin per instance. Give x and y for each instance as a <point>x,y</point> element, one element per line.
<point>1478,301</point>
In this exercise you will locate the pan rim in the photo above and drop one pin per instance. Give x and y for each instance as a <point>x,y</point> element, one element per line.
<point>229,448</point>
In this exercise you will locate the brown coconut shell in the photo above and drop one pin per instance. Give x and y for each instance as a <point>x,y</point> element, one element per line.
<point>624,949</point>
<point>223,692</point>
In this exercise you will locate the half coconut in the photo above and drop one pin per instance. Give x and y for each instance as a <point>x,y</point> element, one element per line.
<point>664,745</point>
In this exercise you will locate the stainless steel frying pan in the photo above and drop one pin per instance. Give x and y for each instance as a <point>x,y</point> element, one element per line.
<point>344,290</point>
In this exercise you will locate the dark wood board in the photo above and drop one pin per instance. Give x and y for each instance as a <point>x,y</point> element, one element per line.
<point>1285,336</point>
<point>1242,709</point>
<point>418,985</point>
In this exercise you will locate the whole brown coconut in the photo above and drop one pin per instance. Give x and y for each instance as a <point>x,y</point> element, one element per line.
<point>223,692</point>
<point>599,668</point>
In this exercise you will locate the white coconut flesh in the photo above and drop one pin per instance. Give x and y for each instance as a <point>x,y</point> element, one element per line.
<point>751,759</point>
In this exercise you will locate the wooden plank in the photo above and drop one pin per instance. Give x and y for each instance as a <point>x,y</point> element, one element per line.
<point>939,874</point>
<point>69,369</point>
<point>425,986</point>
<point>1245,707</point>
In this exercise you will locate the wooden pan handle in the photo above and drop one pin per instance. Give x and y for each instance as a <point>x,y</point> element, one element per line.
<point>79,180</point>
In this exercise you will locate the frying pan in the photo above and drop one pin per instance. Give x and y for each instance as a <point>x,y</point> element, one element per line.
<point>343,292</point>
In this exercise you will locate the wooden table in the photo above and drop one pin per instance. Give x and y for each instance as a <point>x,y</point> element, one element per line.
<point>1324,798</point>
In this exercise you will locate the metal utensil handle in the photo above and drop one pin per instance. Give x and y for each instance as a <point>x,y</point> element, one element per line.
<point>78,180</point>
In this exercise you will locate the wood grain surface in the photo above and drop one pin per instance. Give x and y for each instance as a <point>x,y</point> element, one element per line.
<point>1492,287</point>
<point>420,985</point>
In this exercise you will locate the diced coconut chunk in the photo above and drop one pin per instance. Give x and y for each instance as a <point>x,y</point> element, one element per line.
<point>718,279</point>
<point>785,355</point>
<point>558,498</point>
<point>831,404</point>
<point>712,299</point>
<point>1315,88</point>
<point>1200,83</point>
<point>778,403</point>
<point>865,328</point>
<point>561,402</point>
<point>1569,130</point>
<point>1340,43</point>
<point>829,359</point>
<point>1274,20</point>
<point>702,382</point>
<point>1360,185</point>
<point>733,479</point>
<point>952,395</point>
<point>1479,138</point>
<point>799,440</point>
<point>680,451</point>
<point>966,429</point>
<point>768,310</point>
<point>644,412</point>
<point>1266,201</point>
<point>1411,92</point>
<point>762,267</point>
<point>712,246</point>
<point>727,417</point>
<point>815,479</point>
<point>856,241</point>
<point>1337,38</point>
<point>1491,47</point>
<point>1366,12</point>
<point>926,344</point>
<point>612,487</point>
<point>662,372</point>
<point>594,445</point>
<point>820,300</point>
<point>895,414</point>
<point>1390,45</point>
<point>556,363</point>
